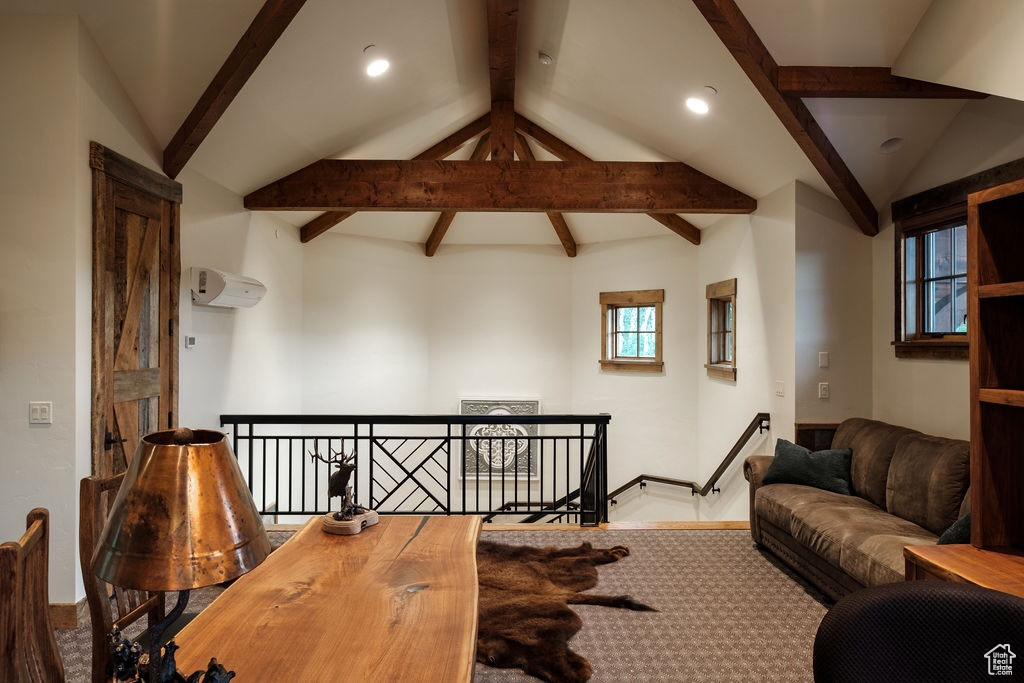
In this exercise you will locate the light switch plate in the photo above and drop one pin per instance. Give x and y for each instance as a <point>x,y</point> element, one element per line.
<point>823,390</point>
<point>822,359</point>
<point>40,412</point>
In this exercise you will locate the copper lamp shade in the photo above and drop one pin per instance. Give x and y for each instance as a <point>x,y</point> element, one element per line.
<point>183,517</point>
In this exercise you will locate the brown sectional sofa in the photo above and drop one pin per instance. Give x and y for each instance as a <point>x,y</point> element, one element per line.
<point>907,488</point>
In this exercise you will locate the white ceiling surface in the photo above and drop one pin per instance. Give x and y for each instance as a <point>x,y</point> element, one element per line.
<point>615,90</point>
<point>973,44</point>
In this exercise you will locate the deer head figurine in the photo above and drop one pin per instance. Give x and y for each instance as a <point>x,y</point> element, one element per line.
<point>337,485</point>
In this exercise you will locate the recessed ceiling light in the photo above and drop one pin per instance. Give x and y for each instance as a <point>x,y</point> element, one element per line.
<point>700,104</point>
<point>376,63</point>
<point>891,145</point>
<point>697,105</point>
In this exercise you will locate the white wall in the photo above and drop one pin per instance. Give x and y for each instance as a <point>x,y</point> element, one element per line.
<point>833,310</point>
<point>245,360</point>
<point>365,327</point>
<point>759,251</point>
<point>38,286</point>
<point>653,428</point>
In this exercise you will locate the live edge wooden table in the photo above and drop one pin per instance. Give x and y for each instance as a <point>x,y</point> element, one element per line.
<point>1001,570</point>
<point>396,602</point>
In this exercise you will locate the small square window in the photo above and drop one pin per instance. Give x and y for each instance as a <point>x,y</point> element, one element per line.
<point>631,330</point>
<point>721,298</point>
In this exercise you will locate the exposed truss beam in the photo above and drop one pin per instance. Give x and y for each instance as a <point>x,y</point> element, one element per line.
<point>439,150</point>
<point>567,152</point>
<point>444,221</point>
<point>252,47</point>
<point>557,220</point>
<point>502,31</point>
<point>594,186</point>
<point>753,57</point>
<point>502,23</point>
<point>862,81</point>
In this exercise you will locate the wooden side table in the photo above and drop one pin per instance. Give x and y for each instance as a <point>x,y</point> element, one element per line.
<point>1001,570</point>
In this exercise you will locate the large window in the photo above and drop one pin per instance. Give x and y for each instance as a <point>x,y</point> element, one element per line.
<point>721,298</point>
<point>931,307</point>
<point>631,330</point>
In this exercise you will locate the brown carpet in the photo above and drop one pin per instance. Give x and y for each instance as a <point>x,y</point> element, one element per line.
<point>726,611</point>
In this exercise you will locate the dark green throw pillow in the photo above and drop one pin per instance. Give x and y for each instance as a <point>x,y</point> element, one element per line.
<point>829,469</point>
<point>958,532</point>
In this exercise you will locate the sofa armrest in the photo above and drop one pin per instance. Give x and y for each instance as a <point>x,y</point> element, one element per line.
<point>754,468</point>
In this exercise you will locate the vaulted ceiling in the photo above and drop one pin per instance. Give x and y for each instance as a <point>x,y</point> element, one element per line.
<point>269,99</point>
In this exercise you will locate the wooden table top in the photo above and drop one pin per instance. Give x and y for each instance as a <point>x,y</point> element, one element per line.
<point>396,602</point>
<point>1000,569</point>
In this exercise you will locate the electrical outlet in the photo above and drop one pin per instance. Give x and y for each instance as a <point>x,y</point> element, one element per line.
<point>823,390</point>
<point>40,412</point>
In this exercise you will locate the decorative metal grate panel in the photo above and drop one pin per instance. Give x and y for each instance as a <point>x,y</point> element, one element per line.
<point>422,464</point>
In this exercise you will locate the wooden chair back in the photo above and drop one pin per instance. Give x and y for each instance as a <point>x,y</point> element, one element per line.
<point>28,648</point>
<point>110,607</point>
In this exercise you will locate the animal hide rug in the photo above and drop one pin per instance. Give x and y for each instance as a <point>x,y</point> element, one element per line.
<point>525,593</point>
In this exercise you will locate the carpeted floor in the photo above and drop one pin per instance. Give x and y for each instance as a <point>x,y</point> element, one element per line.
<point>727,612</point>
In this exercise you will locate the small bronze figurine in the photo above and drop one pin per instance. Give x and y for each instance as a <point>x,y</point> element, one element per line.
<point>352,518</point>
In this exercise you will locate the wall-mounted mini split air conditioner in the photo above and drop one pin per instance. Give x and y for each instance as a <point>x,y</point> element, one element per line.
<point>211,287</point>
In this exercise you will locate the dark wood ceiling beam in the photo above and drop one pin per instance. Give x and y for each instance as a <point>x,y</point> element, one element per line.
<point>566,152</point>
<point>503,131</point>
<point>594,186</point>
<point>557,220</point>
<point>502,25</point>
<point>440,150</point>
<point>322,224</point>
<point>862,81</point>
<point>270,22</point>
<point>746,47</point>
<point>444,221</point>
<point>502,36</point>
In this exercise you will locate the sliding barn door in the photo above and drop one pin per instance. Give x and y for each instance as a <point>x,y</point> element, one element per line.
<point>136,269</point>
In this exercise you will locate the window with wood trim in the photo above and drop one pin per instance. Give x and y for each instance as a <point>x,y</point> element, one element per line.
<point>721,298</point>
<point>631,330</point>
<point>931,284</point>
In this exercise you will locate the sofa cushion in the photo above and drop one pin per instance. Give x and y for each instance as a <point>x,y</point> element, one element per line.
<point>927,480</point>
<point>793,464</point>
<point>848,532</point>
<point>873,444</point>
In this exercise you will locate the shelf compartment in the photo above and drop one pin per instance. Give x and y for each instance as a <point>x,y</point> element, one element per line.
<point>999,233</point>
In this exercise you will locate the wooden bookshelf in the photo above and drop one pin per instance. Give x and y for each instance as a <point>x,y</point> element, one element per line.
<point>995,324</point>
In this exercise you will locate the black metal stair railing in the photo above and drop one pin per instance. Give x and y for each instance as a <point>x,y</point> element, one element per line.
<point>760,424</point>
<point>501,466</point>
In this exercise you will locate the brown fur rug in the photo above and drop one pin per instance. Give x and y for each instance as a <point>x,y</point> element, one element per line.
<point>525,593</point>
